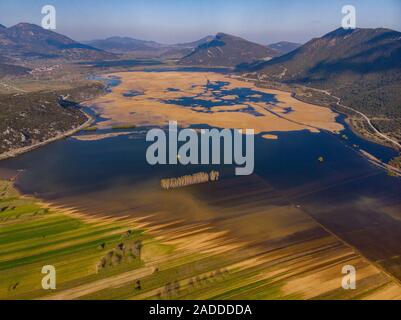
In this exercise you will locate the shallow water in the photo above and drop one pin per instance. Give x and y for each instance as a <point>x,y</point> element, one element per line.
<point>346,194</point>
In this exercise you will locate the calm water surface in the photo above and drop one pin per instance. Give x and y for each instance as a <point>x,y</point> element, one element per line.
<point>348,195</point>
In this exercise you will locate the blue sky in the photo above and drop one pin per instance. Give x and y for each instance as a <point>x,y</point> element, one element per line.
<point>171,21</point>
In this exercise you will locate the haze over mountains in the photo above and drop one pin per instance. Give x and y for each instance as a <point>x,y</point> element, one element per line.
<point>127,44</point>
<point>362,61</point>
<point>123,44</point>
<point>219,50</point>
<point>26,41</point>
<point>143,48</point>
<point>284,47</point>
<point>194,44</point>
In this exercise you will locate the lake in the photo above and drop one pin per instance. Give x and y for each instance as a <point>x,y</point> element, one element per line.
<point>348,195</point>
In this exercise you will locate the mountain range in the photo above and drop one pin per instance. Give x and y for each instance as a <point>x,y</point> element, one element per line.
<point>227,51</point>
<point>284,47</point>
<point>358,51</point>
<point>127,44</point>
<point>26,41</point>
<point>361,66</point>
<point>124,44</point>
<point>146,49</point>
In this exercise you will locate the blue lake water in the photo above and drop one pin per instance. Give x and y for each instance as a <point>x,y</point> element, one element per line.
<point>348,195</point>
<point>221,96</point>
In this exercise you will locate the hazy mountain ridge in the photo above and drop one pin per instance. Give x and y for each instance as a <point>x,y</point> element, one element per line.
<point>284,47</point>
<point>194,44</point>
<point>227,50</point>
<point>29,41</point>
<point>123,44</point>
<point>146,48</point>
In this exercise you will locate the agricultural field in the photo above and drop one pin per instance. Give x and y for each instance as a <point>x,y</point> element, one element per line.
<point>124,258</point>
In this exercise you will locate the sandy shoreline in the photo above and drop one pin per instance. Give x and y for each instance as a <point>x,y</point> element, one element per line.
<point>100,136</point>
<point>372,159</point>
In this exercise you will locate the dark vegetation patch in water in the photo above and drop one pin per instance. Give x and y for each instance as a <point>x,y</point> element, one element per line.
<point>288,110</point>
<point>74,167</point>
<point>132,93</point>
<point>110,81</point>
<point>219,96</point>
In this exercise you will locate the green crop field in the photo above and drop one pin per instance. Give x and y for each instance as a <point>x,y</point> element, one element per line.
<point>104,258</point>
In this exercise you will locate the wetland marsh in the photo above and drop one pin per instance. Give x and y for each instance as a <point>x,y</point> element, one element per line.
<point>275,234</point>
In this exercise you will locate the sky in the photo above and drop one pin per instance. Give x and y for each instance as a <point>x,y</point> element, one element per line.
<point>174,21</point>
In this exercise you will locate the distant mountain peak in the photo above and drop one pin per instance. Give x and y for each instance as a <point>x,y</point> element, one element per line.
<point>119,44</point>
<point>30,41</point>
<point>226,50</point>
<point>127,39</point>
<point>284,47</point>
<point>340,32</point>
<point>354,52</point>
<point>223,35</point>
<point>226,36</point>
<point>26,26</point>
<point>196,43</point>
<point>362,67</point>
<point>118,38</point>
